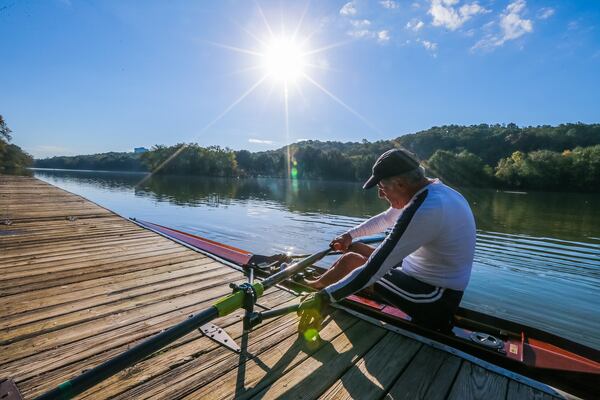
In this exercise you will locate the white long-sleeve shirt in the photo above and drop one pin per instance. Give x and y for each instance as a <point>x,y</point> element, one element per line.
<point>433,240</point>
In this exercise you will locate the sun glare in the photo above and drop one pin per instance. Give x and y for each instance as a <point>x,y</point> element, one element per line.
<point>287,61</point>
<point>284,60</point>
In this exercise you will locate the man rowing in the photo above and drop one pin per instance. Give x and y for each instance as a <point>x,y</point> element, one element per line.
<point>424,264</point>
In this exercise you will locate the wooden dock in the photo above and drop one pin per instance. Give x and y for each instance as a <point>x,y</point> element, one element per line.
<point>79,285</point>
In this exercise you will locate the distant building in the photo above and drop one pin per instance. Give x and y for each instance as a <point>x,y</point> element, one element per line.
<point>140,150</point>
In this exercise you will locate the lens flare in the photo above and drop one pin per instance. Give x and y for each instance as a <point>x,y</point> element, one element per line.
<point>311,335</point>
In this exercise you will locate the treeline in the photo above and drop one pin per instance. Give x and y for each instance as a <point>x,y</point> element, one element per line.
<point>315,160</point>
<point>113,161</point>
<point>494,142</point>
<point>12,157</point>
<point>565,157</point>
<point>191,159</point>
<point>577,170</point>
<point>561,158</point>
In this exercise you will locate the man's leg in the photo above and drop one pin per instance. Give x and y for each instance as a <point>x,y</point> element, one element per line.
<point>342,267</point>
<point>429,306</point>
<point>362,249</point>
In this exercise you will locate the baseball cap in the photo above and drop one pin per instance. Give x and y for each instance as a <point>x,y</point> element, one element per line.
<point>391,163</point>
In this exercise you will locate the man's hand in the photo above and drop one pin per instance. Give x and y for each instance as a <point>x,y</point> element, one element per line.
<point>311,312</point>
<point>341,243</point>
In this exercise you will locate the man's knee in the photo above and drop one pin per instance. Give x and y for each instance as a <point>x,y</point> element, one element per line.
<point>352,260</point>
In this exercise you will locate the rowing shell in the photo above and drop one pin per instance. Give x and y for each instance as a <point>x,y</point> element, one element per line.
<point>529,351</point>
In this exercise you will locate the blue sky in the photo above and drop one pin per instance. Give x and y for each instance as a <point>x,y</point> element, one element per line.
<point>80,77</point>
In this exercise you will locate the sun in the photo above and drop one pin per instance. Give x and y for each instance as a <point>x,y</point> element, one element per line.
<point>284,60</point>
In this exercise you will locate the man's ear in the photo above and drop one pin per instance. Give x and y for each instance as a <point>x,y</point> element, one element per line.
<point>399,183</point>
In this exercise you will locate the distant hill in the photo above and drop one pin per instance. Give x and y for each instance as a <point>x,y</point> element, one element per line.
<point>493,142</point>
<point>564,157</point>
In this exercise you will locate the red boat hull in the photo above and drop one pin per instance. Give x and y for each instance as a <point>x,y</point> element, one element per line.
<point>541,355</point>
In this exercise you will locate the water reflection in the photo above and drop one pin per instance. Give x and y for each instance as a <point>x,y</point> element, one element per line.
<point>570,216</point>
<point>537,259</point>
<point>298,196</point>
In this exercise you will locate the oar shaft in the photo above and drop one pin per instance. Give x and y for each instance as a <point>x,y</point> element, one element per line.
<point>293,269</point>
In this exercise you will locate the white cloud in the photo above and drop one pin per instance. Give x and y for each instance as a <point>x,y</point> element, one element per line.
<point>445,13</point>
<point>516,6</point>
<point>488,25</point>
<point>361,28</point>
<point>361,33</point>
<point>545,13</point>
<point>512,26</point>
<point>389,4</point>
<point>383,36</point>
<point>360,23</point>
<point>415,25</point>
<point>260,141</point>
<point>429,45</point>
<point>348,9</point>
<point>468,10</point>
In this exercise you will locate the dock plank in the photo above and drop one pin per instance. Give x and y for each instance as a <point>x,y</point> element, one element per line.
<point>475,382</point>
<point>45,297</point>
<point>267,364</point>
<point>519,391</point>
<point>429,376</point>
<point>72,302</point>
<point>310,378</point>
<point>372,376</point>
<point>102,270</point>
<point>126,306</point>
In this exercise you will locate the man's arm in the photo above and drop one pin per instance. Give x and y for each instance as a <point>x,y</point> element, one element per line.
<point>415,227</point>
<point>376,224</point>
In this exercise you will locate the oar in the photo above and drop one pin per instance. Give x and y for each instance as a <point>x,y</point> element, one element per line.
<point>222,307</point>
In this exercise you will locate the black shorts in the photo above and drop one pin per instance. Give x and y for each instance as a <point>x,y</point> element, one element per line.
<point>427,305</point>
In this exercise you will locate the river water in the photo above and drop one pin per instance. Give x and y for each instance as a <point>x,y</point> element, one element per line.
<point>537,259</point>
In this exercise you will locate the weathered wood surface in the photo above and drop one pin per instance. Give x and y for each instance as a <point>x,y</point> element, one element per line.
<point>79,285</point>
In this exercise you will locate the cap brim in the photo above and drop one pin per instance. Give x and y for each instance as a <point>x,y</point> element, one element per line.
<point>372,181</point>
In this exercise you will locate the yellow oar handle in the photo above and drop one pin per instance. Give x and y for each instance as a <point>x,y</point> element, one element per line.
<point>228,304</point>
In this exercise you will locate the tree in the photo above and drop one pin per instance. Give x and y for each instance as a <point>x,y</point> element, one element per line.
<point>4,130</point>
<point>464,168</point>
<point>12,157</point>
<point>191,159</point>
<point>576,170</point>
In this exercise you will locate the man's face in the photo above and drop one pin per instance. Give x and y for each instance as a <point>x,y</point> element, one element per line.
<point>394,192</point>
